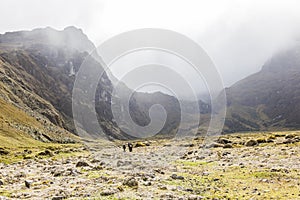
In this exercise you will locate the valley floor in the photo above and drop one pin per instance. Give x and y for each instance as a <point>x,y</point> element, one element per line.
<point>237,166</point>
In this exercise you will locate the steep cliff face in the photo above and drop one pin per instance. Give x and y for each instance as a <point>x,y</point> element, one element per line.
<point>37,73</point>
<point>269,98</point>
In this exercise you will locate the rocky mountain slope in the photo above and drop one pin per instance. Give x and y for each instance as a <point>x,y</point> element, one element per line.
<point>37,73</point>
<point>269,99</point>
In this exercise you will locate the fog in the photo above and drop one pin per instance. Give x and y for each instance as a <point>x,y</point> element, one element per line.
<point>239,36</point>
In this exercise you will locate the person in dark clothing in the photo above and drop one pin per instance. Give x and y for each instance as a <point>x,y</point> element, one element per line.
<point>130,146</point>
<point>124,147</point>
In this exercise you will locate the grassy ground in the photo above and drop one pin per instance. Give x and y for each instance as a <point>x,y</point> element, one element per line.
<point>16,144</point>
<point>265,171</point>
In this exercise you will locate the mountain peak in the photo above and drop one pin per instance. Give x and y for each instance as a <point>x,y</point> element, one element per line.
<point>73,29</point>
<point>283,61</point>
<point>71,37</point>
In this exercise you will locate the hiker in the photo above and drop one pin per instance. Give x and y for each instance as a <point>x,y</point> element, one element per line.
<point>124,147</point>
<point>130,147</point>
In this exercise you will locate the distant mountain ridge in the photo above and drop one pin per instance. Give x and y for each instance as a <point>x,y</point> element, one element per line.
<point>38,69</point>
<point>71,38</point>
<point>269,99</point>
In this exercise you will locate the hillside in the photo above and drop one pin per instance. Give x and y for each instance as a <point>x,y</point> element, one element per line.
<point>18,128</point>
<point>37,73</point>
<point>269,99</point>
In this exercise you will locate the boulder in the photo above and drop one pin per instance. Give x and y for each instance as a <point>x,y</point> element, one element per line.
<point>214,145</point>
<point>223,141</point>
<point>28,183</point>
<point>176,177</point>
<point>3,151</point>
<point>140,144</point>
<point>131,182</point>
<point>58,198</point>
<point>227,146</point>
<point>289,141</point>
<point>82,164</point>
<point>251,143</point>
<point>46,153</point>
<point>108,192</point>
<point>290,136</point>
<point>261,140</point>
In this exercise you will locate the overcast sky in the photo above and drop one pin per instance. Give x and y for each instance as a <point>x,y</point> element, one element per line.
<point>238,35</point>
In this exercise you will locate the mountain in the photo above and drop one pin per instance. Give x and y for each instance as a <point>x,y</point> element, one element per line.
<point>70,38</point>
<point>37,74</point>
<point>38,71</point>
<point>269,99</point>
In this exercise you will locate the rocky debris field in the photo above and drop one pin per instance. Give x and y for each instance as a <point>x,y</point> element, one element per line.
<point>237,166</point>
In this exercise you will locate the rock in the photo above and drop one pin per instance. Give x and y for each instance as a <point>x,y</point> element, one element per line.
<point>297,139</point>
<point>195,197</point>
<point>214,145</point>
<point>265,180</point>
<point>140,144</point>
<point>226,153</point>
<point>120,188</point>
<point>131,182</point>
<point>176,177</point>
<point>27,151</point>
<point>272,137</point>
<point>162,187</point>
<point>3,198</point>
<point>205,173</point>
<point>123,163</point>
<point>97,168</point>
<point>289,136</point>
<point>289,141</point>
<point>147,183</point>
<point>251,143</point>
<point>57,173</point>
<point>46,153</point>
<point>28,183</point>
<point>27,157</point>
<point>147,143</point>
<point>108,192</point>
<point>71,172</point>
<point>189,190</point>
<point>98,161</point>
<point>227,146</point>
<point>187,145</point>
<point>58,198</point>
<point>146,177</point>
<point>223,141</point>
<point>3,151</point>
<point>82,164</point>
<point>190,152</point>
<point>159,171</point>
<point>270,141</point>
<point>261,140</point>
<point>280,170</point>
<point>65,172</point>
<point>279,135</point>
<point>167,196</point>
